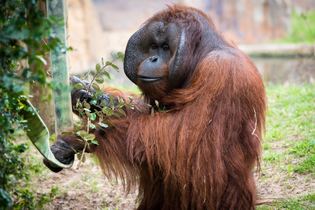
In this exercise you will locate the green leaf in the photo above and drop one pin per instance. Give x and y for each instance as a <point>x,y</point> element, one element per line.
<point>92,126</point>
<point>103,125</point>
<point>41,59</point>
<point>92,73</point>
<point>39,134</point>
<point>85,135</point>
<point>5,198</point>
<point>78,86</point>
<point>96,86</point>
<point>106,74</point>
<point>122,112</point>
<point>92,116</point>
<point>81,133</point>
<point>98,93</point>
<point>53,137</point>
<point>93,102</point>
<point>120,55</point>
<point>103,103</point>
<point>108,63</point>
<point>98,67</point>
<point>111,101</point>
<point>121,103</point>
<point>89,137</point>
<point>99,79</point>
<point>107,111</point>
<point>95,142</point>
<point>77,126</point>
<point>86,105</point>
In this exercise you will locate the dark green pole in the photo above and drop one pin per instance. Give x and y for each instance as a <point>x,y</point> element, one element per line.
<point>59,68</point>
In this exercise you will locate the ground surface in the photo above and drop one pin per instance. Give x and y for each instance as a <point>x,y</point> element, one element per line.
<point>286,181</point>
<point>86,188</point>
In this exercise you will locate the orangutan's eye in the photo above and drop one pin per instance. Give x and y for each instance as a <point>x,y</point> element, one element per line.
<point>154,46</point>
<point>165,47</point>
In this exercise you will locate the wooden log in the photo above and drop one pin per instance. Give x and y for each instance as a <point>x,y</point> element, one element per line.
<point>279,50</point>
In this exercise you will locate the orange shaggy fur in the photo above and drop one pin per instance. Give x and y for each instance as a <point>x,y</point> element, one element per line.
<point>200,153</point>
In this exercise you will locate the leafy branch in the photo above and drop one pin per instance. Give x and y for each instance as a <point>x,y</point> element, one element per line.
<point>109,106</point>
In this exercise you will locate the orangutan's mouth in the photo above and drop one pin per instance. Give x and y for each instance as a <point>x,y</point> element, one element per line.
<point>149,79</point>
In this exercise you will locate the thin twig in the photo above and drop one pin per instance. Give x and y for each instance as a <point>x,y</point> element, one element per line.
<point>90,85</point>
<point>85,144</point>
<point>268,200</point>
<point>255,126</point>
<point>94,77</point>
<point>82,155</point>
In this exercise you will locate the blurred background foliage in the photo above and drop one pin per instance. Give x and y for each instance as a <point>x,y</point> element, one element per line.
<point>25,41</point>
<point>302,28</point>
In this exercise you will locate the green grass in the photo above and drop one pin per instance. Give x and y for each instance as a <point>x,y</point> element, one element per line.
<point>302,203</point>
<point>289,143</point>
<point>291,127</point>
<point>305,150</point>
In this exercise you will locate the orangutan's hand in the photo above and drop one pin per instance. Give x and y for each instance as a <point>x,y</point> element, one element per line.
<point>65,149</point>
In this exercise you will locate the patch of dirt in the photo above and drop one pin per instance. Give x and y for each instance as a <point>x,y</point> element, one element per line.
<point>87,188</point>
<point>274,183</point>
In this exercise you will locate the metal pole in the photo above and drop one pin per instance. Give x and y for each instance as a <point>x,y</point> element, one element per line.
<point>59,68</point>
